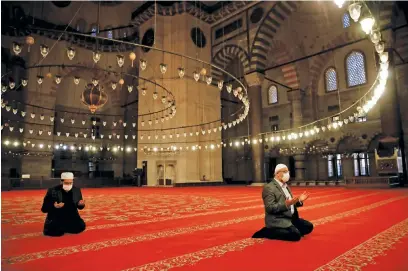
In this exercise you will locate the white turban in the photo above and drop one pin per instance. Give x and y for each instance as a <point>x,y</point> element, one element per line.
<point>67,176</point>
<point>279,167</point>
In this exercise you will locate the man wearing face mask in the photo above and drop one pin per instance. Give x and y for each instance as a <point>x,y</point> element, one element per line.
<point>61,204</point>
<point>282,221</point>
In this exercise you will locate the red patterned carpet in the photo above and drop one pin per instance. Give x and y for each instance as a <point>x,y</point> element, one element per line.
<point>208,229</point>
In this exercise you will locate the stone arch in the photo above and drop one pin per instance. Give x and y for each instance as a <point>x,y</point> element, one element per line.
<point>269,26</point>
<point>373,141</point>
<point>290,72</point>
<point>224,56</point>
<point>349,142</point>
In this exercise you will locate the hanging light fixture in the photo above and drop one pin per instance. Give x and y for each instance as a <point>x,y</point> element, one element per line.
<point>229,88</point>
<point>96,56</point>
<point>17,48</point>
<point>367,24</point>
<point>121,60</point>
<point>32,115</point>
<point>181,72</point>
<point>71,53</point>
<point>163,99</point>
<point>3,88</point>
<point>163,68</point>
<point>130,88</point>
<point>220,84</point>
<point>121,81</point>
<point>58,79</point>
<point>44,50</point>
<point>144,91</point>
<point>196,76</point>
<point>132,57</point>
<point>8,108</point>
<point>40,80</point>
<point>42,117</point>
<point>95,81</point>
<point>12,84</point>
<point>72,121</point>
<point>94,97</point>
<point>143,64</point>
<point>76,80</point>
<point>355,11</point>
<point>24,82</point>
<point>62,120</point>
<point>52,118</point>
<point>379,47</point>
<point>15,110</point>
<point>209,80</point>
<point>113,85</point>
<point>155,95</point>
<point>83,122</point>
<point>29,41</point>
<point>375,36</point>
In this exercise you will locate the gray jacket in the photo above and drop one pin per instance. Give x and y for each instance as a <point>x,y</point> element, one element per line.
<point>277,214</point>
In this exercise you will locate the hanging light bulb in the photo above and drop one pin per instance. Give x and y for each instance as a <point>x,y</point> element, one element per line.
<point>12,84</point>
<point>3,88</point>
<point>104,123</point>
<point>8,108</point>
<point>115,123</point>
<point>40,132</point>
<point>24,82</point>
<point>384,57</point>
<point>367,24</point>
<point>95,81</point>
<point>163,68</point>
<point>124,124</point>
<point>29,41</point>
<point>143,64</point>
<point>32,115</point>
<point>76,135</point>
<point>15,110</point>
<point>220,84</point>
<point>181,72</point>
<point>31,131</point>
<point>121,60</point>
<point>144,91</point>
<point>121,81</point>
<point>94,122</point>
<point>155,95</point>
<point>150,122</point>
<point>52,118</point>
<point>339,3</point>
<point>130,88</point>
<point>229,88</point>
<point>58,79</point>
<point>163,99</point>
<point>196,76</point>
<point>72,121</point>
<point>62,120</point>
<point>21,130</point>
<point>96,56</point>
<point>114,85</point>
<point>71,53</point>
<point>42,117</point>
<point>44,50</point>
<point>132,57</point>
<point>17,48</point>
<point>40,80</point>
<point>49,133</point>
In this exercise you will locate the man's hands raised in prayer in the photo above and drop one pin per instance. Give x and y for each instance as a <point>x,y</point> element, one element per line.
<point>304,196</point>
<point>292,201</point>
<point>58,205</point>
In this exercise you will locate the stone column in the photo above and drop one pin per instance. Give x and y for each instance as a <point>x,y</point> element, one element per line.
<point>295,97</point>
<point>300,167</point>
<point>254,81</point>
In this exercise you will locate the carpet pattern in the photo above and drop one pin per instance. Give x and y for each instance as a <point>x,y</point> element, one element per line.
<point>208,229</point>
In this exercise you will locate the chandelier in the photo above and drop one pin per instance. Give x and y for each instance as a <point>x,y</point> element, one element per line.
<point>94,97</point>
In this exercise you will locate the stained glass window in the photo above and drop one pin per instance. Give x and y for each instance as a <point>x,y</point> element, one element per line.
<point>273,94</point>
<point>346,20</point>
<point>339,166</point>
<point>334,166</point>
<point>331,79</point>
<point>330,167</point>
<point>361,164</point>
<point>355,65</point>
<point>110,34</point>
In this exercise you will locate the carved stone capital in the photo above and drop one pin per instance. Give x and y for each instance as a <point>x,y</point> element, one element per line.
<point>254,79</point>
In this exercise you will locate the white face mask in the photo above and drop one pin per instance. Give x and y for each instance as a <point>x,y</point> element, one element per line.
<point>285,177</point>
<point>67,187</point>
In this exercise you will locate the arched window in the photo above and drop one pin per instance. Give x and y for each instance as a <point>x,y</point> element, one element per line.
<point>330,77</point>
<point>109,33</point>
<point>361,164</point>
<point>272,94</point>
<point>346,20</point>
<point>355,69</point>
<point>94,30</point>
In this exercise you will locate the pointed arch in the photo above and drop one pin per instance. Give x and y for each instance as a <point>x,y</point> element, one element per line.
<point>224,56</point>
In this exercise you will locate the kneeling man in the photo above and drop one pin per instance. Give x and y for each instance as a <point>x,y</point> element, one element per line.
<point>61,203</point>
<point>282,220</point>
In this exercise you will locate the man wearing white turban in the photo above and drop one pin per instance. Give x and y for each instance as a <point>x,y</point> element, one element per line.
<point>61,204</point>
<point>282,220</point>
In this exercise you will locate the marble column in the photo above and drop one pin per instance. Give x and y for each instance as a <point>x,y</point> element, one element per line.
<point>295,97</point>
<point>254,81</point>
